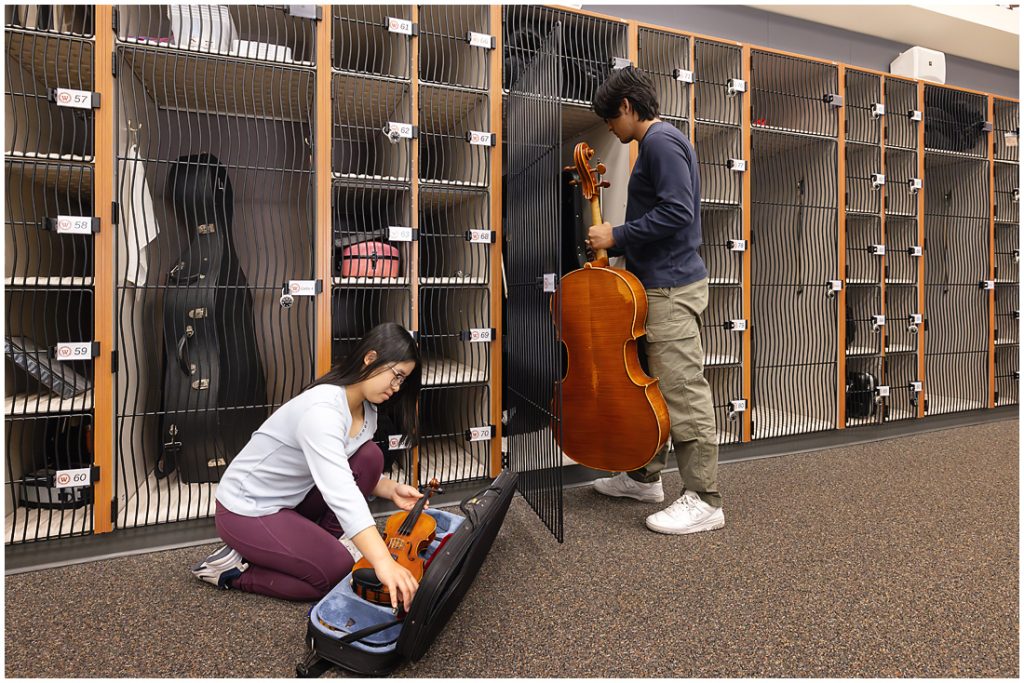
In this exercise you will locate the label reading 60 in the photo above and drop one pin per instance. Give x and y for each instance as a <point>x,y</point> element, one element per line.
<point>71,479</point>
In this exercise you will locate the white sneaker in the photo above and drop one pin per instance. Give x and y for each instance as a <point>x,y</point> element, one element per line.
<point>351,548</point>
<point>220,567</point>
<point>688,515</point>
<point>623,486</point>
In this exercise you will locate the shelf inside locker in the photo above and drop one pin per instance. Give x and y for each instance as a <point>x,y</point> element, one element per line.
<point>71,178</point>
<point>950,157</point>
<point>55,282</point>
<point>900,214</point>
<point>720,360</point>
<point>73,20</point>
<point>444,371</point>
<point>369,101</point>
<point>1005,341</point>
<point>862,351</point>
<point>20,405</point>
<point>901,413</point>
<point>938,404</point>
<point>724,281</point>
<point>16,154</point>
<point>1002,163</point>
<point>452,281</point>
<point>222,86</point>
<point>863,282</point>
<point>362,42</point>
<point>370,282</point>
<point>35,524</point>
<point>577,118</point>
<point>452,460</point>
<point>62,61</point>
<point>449,109</point>
<point>901,348</point>
<point>268,32</point>
<point>356,179</point>
<point>775,422</point>
<point>164,500</point>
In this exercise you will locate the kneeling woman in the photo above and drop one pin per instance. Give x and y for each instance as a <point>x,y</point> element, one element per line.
<point>304,478</point>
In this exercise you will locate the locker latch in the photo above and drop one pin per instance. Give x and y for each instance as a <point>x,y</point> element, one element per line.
<point>737,245</point>
<point>877,249</point>
<point>915,184</point>
<point>620,63</point>
<point>915,320</point>
<point>832,99</point>
<point>548,282</point>
<point>877,180</point>
<point>1015,195</point>
<point>735,325</point>
<point>914,115</point>
<point>396,131</point>
<point>736,85</point>
<point>987,284</point>
<point>738,165</point>
<point>877,322</point>
<point>877,109</point>
<point>834,287</point>
<point>914,250</point>
<point>916,387</point>
<point>986,127</point>
<point>882,391</point>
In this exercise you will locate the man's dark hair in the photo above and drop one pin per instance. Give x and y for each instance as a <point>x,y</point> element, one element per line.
<point>630,84</point>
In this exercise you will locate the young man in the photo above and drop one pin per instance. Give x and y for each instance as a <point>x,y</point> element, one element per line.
<point>660,240</point>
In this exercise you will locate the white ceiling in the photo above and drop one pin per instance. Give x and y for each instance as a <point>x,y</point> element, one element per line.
<point>987,33</point>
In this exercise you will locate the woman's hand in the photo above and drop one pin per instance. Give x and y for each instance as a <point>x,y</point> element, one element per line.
<point>405,496</point>
<point>400,582</point>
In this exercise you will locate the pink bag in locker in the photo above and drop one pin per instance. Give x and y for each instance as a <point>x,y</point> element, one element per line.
<point>369,259</point>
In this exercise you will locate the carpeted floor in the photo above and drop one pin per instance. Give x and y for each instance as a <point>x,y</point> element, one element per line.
<point>898,558</point>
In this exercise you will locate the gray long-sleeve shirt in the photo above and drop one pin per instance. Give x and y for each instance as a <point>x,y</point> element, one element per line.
<point>305,443</point>
<point>662,234</point>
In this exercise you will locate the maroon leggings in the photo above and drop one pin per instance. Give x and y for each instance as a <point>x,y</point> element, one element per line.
<point>294,554</point>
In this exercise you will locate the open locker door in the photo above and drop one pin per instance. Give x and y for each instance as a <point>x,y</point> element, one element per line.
<point>532,260</point>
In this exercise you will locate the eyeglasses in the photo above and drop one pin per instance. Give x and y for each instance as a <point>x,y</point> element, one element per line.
<point>397,380</point>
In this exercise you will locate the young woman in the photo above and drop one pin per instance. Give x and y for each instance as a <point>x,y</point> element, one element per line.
<point>305,477</point>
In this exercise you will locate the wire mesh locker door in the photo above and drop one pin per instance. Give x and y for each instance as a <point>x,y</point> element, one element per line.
<point>532,350</point>
<point>49,300</point>
<point>214,266</point>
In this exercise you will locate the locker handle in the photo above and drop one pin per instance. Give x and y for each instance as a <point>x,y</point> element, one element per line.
<point>183,363</point>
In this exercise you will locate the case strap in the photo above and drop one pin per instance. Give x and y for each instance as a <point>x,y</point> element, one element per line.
<point>368,631</point>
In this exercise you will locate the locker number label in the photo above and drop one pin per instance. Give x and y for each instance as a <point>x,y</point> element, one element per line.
<point>76,99</point>
<point>480,334</point>
<point>69,351</point>
<point>74,225</point>
<point>478,137</point>
<point>549,282</point>
<point>403,26</point>
<point>484,40</point>
<point>481,236</point>
<point>397,442</point>
<point>399,130</point>
<point>1010,139</point>
<point>399,234</point>
<point>302,287</point>
<point>883,391</point>
<point>481,433</point>
<point>73,479</point>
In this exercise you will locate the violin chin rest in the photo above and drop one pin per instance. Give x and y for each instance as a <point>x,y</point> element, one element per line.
<point>367,578</point>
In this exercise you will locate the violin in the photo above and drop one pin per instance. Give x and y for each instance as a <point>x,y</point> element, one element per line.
<point>613,416</point>
<point>406,535</point>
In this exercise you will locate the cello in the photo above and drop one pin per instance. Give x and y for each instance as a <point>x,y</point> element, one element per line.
<point>613,415</point>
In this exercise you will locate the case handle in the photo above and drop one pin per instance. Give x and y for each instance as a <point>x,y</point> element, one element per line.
<point>183,363</point>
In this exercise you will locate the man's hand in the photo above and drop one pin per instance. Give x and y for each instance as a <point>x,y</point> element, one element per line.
<point>600,236</point>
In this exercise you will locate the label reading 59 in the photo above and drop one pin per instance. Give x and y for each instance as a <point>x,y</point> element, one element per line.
<point>68,351</point>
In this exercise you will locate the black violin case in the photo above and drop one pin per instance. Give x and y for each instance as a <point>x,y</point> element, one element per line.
<point>213,376</point>
<point>366,639</point>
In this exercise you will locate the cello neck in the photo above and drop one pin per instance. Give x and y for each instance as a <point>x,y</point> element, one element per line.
<point>595,217</point>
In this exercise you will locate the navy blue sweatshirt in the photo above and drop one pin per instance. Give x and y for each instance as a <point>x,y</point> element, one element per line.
<point>661,235</point>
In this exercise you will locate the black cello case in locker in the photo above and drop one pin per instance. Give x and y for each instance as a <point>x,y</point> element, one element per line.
<point>211,360</point>
<point>374,643</point>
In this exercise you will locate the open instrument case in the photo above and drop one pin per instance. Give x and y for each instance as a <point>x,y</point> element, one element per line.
<point>349,632</point>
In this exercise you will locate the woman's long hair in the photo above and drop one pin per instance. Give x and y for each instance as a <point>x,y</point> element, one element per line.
<point>393,344</point>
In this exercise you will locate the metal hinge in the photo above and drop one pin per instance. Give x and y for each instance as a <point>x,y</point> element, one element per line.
<point>115,21</point>
<point>113,508</point>
<point>113,64</point>
<point>113,362</point>
<point>115,214</point>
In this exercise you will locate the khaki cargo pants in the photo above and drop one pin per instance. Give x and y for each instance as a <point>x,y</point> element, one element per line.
<point>675,356</point>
